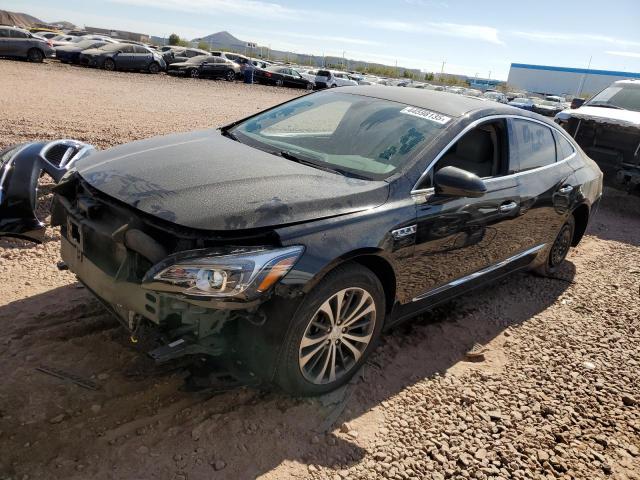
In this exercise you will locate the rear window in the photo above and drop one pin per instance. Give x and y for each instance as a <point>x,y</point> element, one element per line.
<point>565,149</point>
<point>532,144</point>
<point>324,73</point>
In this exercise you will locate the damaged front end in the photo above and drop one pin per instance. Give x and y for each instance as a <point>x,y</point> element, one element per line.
<point>179,291</point>
<point>21,166</point>
<point>612,143</point>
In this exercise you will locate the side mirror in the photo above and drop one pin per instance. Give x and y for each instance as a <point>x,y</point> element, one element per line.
<point>455,182</point>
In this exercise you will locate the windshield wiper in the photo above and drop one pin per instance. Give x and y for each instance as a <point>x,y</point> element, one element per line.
<point>292,156</point>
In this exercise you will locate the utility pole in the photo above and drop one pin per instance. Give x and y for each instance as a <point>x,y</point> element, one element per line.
<point>442,69</point>
<point>584,77</point>
<point>343,60</point>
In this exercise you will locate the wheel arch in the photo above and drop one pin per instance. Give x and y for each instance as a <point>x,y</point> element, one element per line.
<point>581,215</point>
<point>371,258</point>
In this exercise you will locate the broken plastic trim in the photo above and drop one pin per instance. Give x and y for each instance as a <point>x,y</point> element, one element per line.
<point>20,169</point>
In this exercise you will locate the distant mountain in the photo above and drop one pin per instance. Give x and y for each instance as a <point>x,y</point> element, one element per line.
<point>222,39</point>
<point>17,19</point>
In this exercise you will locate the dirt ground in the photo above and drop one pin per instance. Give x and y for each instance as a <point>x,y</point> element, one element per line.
<point>557,395</point>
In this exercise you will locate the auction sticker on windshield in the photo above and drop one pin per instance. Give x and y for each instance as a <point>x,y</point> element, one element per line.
<point>426,114</point>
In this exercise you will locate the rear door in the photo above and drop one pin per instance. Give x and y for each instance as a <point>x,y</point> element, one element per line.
<point>4,41</point>
<point>141,58</point>
<point>18,43</point>
<point>545,179</point>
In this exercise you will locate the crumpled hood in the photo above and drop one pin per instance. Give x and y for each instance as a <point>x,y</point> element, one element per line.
<point>624,118</point>
<point>207,181</point>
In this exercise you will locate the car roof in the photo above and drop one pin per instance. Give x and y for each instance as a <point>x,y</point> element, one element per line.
<point>450,104</point>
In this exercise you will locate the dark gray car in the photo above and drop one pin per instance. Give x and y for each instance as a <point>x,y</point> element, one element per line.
<point>119,56</point>
<point>18,43</point>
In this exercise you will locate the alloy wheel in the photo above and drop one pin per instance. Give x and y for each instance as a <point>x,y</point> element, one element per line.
<point>109,65</point>
<point>231,76</point>
<point>337,336</point>
<point>194,73</point>
<point>35,55</point>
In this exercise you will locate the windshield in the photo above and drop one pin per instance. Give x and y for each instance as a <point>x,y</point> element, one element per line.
<point>549,102</point>
<point>619,96</point>
<point>366,136</point>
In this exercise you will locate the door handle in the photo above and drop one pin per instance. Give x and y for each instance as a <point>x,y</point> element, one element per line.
<point>507,207</point>
<point>566,189</point>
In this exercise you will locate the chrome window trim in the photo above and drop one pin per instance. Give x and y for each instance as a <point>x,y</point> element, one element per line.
<point>475,123</point>
<point>479,273</point>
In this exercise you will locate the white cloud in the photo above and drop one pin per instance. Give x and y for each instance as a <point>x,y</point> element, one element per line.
<point>251,8</point>
<point>624,54</point>
<point>574,38</point>
<point>475,32</point>
<point>321,38</point>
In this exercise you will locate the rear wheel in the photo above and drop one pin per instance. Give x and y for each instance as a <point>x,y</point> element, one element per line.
<point>109,65</point>
<point>279,82</point>
<point>309,86</point>
<point>333,332</point>
<point>154,67</point>
<point>194,73</point>
<point>35,55</point>
<point>230,76</point>
<point>559,250</point>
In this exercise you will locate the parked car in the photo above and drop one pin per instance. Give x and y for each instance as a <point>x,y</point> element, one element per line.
<point>234,57</point>
<point>607,127</point>
<point>523,103</point>
<point>71,53</point>
<point>496,97</point>
<point>548,108</point>
<point>61,40</point>
<point>183,54</point>
<point>287,246</point>
<point>206,66</point>
<point>331,79</point>
<point>118,56</point>
<point>282,77</point>
<point>18,43</point>
<point>577,102</point>
<point>46,35</point>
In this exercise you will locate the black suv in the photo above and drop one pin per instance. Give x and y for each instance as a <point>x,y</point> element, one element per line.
<point>285,243</point>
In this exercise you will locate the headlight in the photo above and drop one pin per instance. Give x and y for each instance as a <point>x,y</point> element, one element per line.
<point>242,275</point>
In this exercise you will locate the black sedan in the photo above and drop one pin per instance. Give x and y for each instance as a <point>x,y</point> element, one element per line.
<point>284,244</point>
<point>123,56</point>
<point>282,77</point>
<point>71,53</point>
<point>205,66</point>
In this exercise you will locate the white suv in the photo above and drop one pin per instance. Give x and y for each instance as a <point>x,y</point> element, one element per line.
<point>330,79</point>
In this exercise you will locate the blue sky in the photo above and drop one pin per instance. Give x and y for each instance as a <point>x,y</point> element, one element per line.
<point>472,37</point>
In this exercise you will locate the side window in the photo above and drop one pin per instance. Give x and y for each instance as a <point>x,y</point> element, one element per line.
<point>482,151</point>
<point>17,34</point>
<point>532,144</point>
<point>139,49</point>
<point>127,48</point>
<point>564,147</point>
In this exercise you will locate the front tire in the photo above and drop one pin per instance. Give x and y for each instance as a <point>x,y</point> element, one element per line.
<point>230,76</point>
<point>35,55</point>
<point>333,332</point>
<point>109,65</point>
<point>194,73</point>
<point>154,67</point>
<point>559,250</point>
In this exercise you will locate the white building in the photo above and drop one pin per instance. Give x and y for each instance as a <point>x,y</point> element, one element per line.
<point>561,80</point>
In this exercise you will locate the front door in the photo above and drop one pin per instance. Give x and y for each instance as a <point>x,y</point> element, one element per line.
<point>459,239</point>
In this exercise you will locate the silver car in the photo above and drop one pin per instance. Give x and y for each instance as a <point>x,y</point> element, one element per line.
<point>18,43</point>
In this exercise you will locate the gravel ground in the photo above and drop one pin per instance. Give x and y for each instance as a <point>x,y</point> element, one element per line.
<point>554,393</point>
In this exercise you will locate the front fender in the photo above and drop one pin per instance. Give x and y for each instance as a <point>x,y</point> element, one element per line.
<point>20,168</point>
